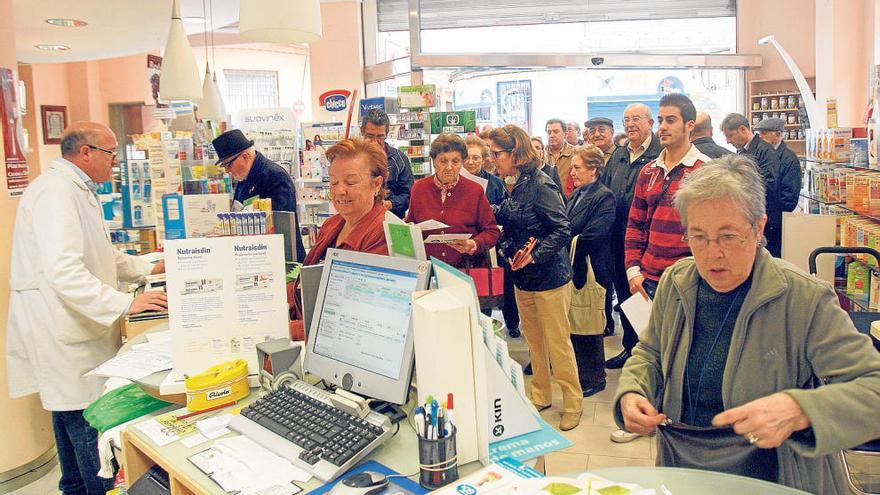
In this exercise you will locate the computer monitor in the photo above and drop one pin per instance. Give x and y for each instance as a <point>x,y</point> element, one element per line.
<point>361,335</point>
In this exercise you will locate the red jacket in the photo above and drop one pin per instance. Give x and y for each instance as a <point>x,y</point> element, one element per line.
<point>466,211</point>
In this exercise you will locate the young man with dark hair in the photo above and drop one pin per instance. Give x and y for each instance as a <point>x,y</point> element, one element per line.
<point>374,126</point>
<point>736,129</point>
<point>654,231</point>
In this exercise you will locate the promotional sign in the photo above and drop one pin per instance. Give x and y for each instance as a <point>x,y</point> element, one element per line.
<point>10,112</point>
<point>264,119</point>
<point>387,105</point>
<point>335,100</point>
<point>322,133</point>
<point>515,103</point>
<point>453,122</point>
<point>154,74</point>
<point>413,97</point>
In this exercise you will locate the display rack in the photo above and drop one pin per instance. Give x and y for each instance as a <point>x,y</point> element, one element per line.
<point>779,98</point>
<point>409,133</point>
<point>848,191</point>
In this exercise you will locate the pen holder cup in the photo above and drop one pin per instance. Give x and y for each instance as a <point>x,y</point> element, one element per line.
<point>438,461</point>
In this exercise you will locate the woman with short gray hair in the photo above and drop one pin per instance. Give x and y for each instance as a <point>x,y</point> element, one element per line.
<point>738,344</point>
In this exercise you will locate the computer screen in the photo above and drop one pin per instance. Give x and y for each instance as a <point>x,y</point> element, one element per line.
<point>360,336</point>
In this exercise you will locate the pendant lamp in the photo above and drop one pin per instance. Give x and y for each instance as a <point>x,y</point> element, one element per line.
<point>180,74</point>
<point>211,105</point>
<point>280,21</point>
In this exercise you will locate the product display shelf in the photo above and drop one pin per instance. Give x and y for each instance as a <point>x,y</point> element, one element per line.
<point>411,135</point>
<point>859,303</point>
<point>778,89</point>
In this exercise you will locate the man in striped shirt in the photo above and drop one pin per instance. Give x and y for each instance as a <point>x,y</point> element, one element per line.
<point>654,232</point>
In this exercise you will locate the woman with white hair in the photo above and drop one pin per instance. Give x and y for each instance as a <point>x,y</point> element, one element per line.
<point>748,366</point>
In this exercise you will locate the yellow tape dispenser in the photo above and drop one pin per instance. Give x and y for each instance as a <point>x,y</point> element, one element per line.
<point>218,386</point>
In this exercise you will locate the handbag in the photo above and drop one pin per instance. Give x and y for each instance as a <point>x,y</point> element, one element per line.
<point>710,448</point>
<point>489,282</point>
<point>587,310</point>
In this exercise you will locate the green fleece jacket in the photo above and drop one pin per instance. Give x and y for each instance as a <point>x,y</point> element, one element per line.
<point>789,331</point>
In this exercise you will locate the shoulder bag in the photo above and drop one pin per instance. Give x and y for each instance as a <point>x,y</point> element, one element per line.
<point>587,310</point>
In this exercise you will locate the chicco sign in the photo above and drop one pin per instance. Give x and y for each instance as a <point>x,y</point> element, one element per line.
<point>335,100</point>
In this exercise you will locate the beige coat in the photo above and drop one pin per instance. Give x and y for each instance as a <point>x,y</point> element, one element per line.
<point>790,328</point>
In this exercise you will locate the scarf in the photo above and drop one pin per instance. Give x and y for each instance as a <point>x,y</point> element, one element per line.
<point>445,189</point>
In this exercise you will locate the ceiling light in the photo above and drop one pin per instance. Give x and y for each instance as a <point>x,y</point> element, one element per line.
<point>53,48</point>
<point>180,74</point>
<point>71,23</point>
<point>280,21</point>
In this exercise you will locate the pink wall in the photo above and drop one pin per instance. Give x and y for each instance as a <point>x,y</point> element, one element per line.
<point>792,22</point>
<point>336,61</point>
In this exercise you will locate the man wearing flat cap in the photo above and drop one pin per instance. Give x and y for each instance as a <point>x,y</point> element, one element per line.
<point>256,175</point>
<point>601,133</point>
<point>790,176</point>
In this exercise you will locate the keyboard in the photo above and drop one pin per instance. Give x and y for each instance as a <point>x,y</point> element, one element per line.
<point>299,423</point>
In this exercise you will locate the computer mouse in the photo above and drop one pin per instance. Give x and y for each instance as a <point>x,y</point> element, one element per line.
<point>363,483</point>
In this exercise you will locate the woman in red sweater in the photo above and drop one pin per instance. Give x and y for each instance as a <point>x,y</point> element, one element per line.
<point>459,203</point>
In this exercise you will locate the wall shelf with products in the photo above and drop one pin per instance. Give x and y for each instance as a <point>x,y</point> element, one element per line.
<point>409,133</point>
<point>779,98</point>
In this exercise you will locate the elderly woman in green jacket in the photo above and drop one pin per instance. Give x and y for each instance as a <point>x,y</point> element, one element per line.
<point>743,343</point>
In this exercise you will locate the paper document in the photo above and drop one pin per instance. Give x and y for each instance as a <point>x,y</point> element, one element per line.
<point>638,311</point>
<point>240,464</point>
<point>157,432</point>
<point>163,337</point>
<point>445,238</point>
<point>404,240</point>
<point>135,364</point>
<point>484,183</point>
<point>431,225</point>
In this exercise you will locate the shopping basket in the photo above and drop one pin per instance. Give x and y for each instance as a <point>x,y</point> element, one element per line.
<point>861,319</point>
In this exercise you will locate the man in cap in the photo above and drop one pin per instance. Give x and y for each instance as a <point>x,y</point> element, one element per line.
<point>256,175</point>
<point>790,177</point>
<point>601,133</point>
<point>736,129</point>
<point>701,137</point>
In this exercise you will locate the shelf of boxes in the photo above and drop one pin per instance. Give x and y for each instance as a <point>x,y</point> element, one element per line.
<point>409,133</point>
<point>762,93</point>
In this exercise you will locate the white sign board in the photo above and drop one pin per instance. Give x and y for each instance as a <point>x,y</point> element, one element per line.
<point>225,295</point>
<point>264,119</point>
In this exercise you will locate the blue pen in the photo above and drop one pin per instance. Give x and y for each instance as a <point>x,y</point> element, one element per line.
<point>434,407</point>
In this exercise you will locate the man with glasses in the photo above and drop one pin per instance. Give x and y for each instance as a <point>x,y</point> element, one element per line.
<point>654,232</point>
<point>621,172</point>
<point>374,127</point>
<point>573,133</point>
<point>256,175</point>
<point>64,306</point>
<point>601,133</point>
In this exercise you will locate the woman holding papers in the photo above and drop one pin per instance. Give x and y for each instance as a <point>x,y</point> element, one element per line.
<point>748,364</point>
<point>460,204</point>
<point>591,213</point>
<point>358,170</point>
<point>535,241</point>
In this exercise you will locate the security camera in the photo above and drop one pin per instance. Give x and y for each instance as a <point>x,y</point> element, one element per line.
<point>597,60</point>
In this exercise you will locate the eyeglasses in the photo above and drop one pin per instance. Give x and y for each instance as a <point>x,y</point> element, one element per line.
<point>725,241</point>
<point>601,129</point>
<point>103,150</point>
<point>635,120</point>
<point>494,154</point>
<point>228,163</point>
<point>374,137</point>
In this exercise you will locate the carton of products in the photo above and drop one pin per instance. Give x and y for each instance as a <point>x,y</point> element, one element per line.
<point>874,297</point>
<point>838,149</point>
<point>874,194</point>
<point>858,279</point>
<point>861,185</point>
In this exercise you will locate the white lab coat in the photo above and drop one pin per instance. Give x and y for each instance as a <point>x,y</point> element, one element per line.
<point>64,306</point>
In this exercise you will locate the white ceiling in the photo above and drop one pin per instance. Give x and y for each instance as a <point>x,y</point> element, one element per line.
<point>115,27</point>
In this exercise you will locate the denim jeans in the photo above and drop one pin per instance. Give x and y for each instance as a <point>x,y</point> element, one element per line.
<point>77,445</point>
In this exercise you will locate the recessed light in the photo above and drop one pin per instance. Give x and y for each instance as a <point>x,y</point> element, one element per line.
<point>193,19</point>
<point>67,22</point>
<point>53,48</point>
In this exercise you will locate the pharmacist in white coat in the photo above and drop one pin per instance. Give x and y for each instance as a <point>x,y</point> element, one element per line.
<point>64,304</point>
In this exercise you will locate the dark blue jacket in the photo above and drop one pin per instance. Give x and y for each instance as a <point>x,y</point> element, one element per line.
<point>268,180</point>
<point>495,188</point>
<point>400,180</point>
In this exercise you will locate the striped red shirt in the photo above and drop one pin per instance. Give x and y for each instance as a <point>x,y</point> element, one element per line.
<point>654,232</point>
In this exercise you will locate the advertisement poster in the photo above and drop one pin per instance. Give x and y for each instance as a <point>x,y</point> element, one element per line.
<point>453,122</point>
<point>154,73</point>
<point>323,134</point>
<point>515,104</point>
<point>415,97</point>
<point>16,164</point>
<point>225,295</point>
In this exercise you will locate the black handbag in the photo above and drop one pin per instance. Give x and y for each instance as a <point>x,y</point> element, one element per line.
<point>711,448</point>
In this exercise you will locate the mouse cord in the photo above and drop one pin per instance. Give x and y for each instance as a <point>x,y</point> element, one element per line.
<point>403,475</point>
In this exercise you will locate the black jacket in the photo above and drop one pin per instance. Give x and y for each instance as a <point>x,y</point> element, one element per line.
<point>768,164</point>
<point>536,209</point>
<point>710,148</point>
<point>790,177</point>
<point>267,179</point>
<point>400,180</point>
<point>620,176</point>
<point>551,172</point>
<point>590,210</point>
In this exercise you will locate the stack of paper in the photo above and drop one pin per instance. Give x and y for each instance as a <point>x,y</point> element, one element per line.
<point>142,361</point>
